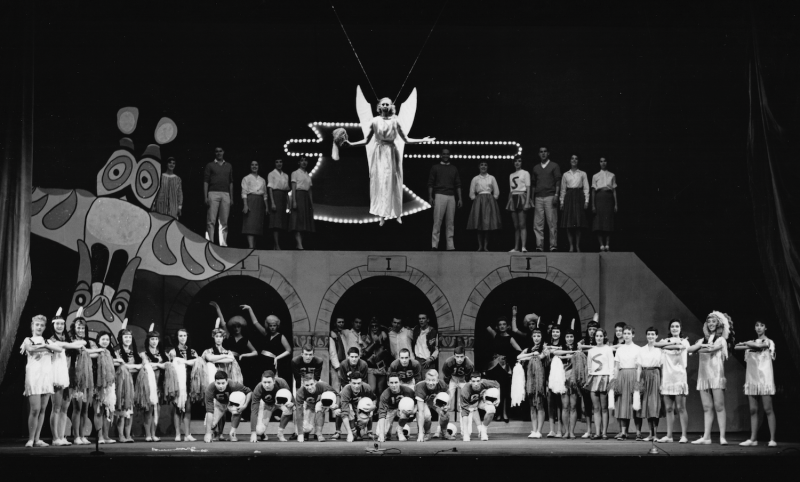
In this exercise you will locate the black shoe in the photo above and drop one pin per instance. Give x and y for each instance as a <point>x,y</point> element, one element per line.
<point>539,250</point>
<point>553,248</point>
<point>358,436</point>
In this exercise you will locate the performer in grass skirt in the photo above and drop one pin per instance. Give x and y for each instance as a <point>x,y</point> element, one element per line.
<point>535,382</point>
<point>759,382</point>
<point>153,360</point>
<point>105,390</point>
<point>81,378</point>
<point>129,366</point>
<point>61,393</point>
<point>189,357</point>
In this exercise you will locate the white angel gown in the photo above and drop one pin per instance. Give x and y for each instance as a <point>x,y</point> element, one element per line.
<point>385,170</point>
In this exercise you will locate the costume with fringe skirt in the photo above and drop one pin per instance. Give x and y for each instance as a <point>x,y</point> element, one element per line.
<point>60,366</point>
<point>673,376</point>
<point>105,390</point>
<point>146,392</point>
<point>232,368</point>
<point>39,369</point>
<point>759,378</point>
<point>535,387</point>
<point>81,377</point>
<point>711,369</point>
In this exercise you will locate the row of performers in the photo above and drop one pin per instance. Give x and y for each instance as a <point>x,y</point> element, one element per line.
<point>635,382</point>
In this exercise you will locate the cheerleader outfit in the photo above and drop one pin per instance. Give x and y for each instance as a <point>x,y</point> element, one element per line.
<point>711,370</point>
<point>626,381</point>
<point>673,376</point>
<point>759,378</point>
<point>39,369</point>
<point>60,367</point>
<point>519,182</point>
<point>650,360</point>
<point>600,364</point>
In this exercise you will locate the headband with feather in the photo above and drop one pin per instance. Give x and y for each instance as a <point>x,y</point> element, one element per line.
<point>58,316</point>
<point>79,313</point>
<point>124,324</point>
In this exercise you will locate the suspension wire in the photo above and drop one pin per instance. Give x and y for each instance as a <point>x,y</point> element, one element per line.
<point>354,51</point>
<point>420,51</point>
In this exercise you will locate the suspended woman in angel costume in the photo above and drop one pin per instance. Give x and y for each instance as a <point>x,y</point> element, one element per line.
<point>385,152</point>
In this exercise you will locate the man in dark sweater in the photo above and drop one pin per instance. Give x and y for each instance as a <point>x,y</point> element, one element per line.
<point>444,186</point>
<point>218,191</point>
<point>546,180</point>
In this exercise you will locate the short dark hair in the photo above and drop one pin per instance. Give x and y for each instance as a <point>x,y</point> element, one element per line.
<point>268,374</point>
<point>353,350</point>
<point>355,375</point>
<point>405,350</point>
<point>171,159</point>
<point>308,347</point>
<point>629,328</point>
<point>476,375</point>
<point>651,328</point>
<point>221,375</point>
<point>393,375</point>
<point>460,350</point>
<point>308,376</point>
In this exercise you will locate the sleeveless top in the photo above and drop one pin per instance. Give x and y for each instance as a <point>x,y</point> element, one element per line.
<point>274,345</point>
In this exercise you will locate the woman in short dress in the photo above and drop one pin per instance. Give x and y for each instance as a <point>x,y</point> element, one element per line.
<point>711,381</point>
<point>302,219</point>
<point>484,215</point>
<point>278,189</point>
<point>600,365</point>
<point>648,362</point>
<point>504,348</point>
<point>38,378</point>
<point>759,382</point>
<point>254,197</point>
<point>674,382</point>
<point>519,201</point>
<point>574,201</point>
<point>604,204</point>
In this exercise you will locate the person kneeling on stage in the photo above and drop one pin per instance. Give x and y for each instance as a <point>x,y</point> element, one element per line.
<point>272,393</point>
<point>396,401</point>
<point>431,395</point>
<point>357,404</point>
<point>222,396</point>
<point>483,396</point>
<point>316,398</point>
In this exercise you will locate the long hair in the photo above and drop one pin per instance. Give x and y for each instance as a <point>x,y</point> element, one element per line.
<point>669,327</point>
<point>121,348</point>
<point>622,325</point>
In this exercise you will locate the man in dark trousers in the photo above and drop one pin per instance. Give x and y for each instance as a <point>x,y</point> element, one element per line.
<point>444,186</point>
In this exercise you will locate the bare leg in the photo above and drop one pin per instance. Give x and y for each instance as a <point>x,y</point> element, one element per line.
<point>515,220</point>
<point>753,401</point>
<point>708,412</point>
<point>299,239</point>
<point>719,407</point>
<point>251,241</point>
<point>35,402</point>
<point>682,414</point>
<point>276,239</point>
<point>571,238</point>
<point>766,400</point>
<point>578,239</point>
<point>55,414</point>
<point>523,230</point>
<point>147,416</point>
<point>669,404</point>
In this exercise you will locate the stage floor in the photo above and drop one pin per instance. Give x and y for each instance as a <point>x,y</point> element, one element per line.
<point>499,445</point>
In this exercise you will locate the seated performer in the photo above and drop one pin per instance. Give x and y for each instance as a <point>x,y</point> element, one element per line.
<point>351,408</point>
<point>407,369</point>
<point>316,399</point>
<point>389,408</point>
<point>218,402</point>
<point>456,371</point>
<point>476,396</point>
<point>305,364</point>
<point>431,395</point>
<point>273,392</point>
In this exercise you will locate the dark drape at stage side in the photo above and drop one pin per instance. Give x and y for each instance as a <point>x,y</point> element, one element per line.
<point>16,170</point>
<point>771,158</point>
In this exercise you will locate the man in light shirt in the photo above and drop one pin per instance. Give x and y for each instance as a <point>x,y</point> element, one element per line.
<point>399,337</point>
<point>425,340</point>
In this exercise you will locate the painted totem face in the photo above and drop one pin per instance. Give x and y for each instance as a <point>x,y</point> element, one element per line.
<point>126,178</point>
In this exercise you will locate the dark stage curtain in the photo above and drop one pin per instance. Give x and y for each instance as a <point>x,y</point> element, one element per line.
<point>16,109</point>
<point>772,156</point>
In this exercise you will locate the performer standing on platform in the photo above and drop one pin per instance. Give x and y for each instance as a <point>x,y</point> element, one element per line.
<point>389,408</point>
<point>601,373</point>
<point>302,219</point>
<point>519,201</point>
<point>444,186</point>
<point>649,362</point>
<point>574,202</point>
<point>759,382</point>
<point>626,387</point>
<point>546,184</point>
<point>674,381</point>
<point>484,215</point>
<point>425,341</point>
<point>169,200</point>
<point>711,381</point>
<point>386,164</point>
<point>457,370</point>
<point>186,352</point>
<point>218,192</point>
<point>604,203</point>
<point>217,401</point>
<point>38,378</point>
<point>254,196</point>
<point>278,189</point>
<point>271,393</point>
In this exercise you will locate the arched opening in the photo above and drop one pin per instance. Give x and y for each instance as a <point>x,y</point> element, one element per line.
<point>382,298</point>
<point>529,295</point>
<point>230,293</point>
